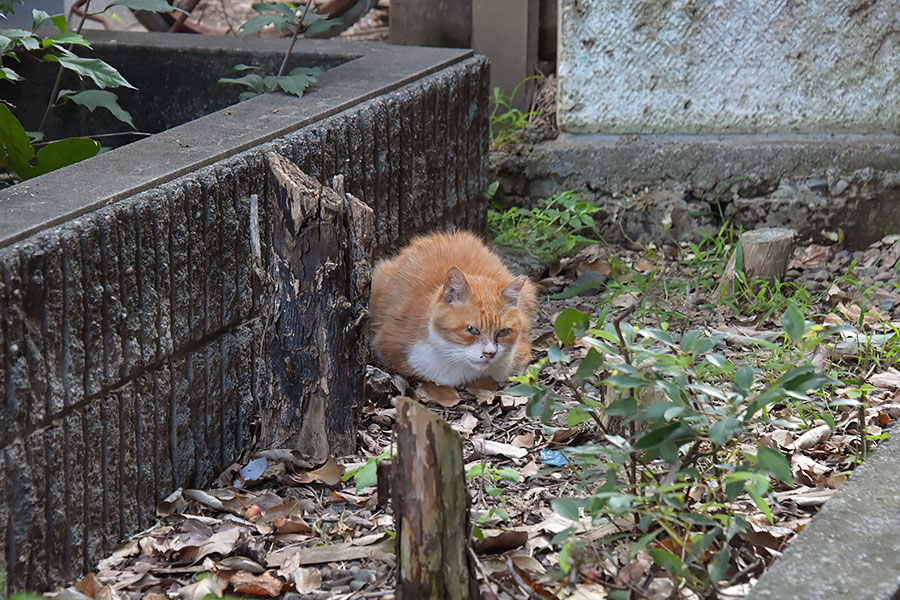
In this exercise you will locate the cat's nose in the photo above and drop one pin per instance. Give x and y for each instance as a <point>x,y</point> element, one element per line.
<point>489,351</point>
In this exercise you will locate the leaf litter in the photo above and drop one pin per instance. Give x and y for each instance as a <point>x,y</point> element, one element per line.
<point>277,526</point>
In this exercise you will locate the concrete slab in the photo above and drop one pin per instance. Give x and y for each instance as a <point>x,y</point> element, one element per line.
<point>851,549</point>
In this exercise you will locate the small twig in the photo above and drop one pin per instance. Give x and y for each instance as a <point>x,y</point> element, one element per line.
<point>59,73</point>
<point>231,28</point>
<point>297,31</point>
<point>487,577</point>
<point>101,135</point>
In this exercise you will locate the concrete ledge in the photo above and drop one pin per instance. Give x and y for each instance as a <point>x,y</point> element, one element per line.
<point>813,183</point>
<point>851,549</point>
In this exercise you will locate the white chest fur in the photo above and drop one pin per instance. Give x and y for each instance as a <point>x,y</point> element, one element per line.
<point>444,363</point>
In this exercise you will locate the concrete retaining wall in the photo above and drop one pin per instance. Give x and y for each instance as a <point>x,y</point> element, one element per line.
<point>128,331</point>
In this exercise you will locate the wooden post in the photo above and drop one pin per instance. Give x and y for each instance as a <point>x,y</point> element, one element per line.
<point>506,31</point>
<point>764,255</point>
<point>431,512</point>
<point>446,23</point>
<point>315,314</point>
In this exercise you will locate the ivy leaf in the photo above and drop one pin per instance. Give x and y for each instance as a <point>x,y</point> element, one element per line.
<point>571,323</point>
<point>298,80</point>
<point>667,560</point>
<point>66,37</point>
<point>251,80</point>
<point>92,99</point>
<point>159,6</point>
<point>565,508</point>
<point>793,323</point>
<point>774,462</point>
<point>260,22</point>
<point>102,74</point>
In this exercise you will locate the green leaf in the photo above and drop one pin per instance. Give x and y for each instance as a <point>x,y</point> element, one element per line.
<point>61,153</point>
<point>642,542</point>
<point>556,355</point>
<point>722,431</point>
<point>102,74</point>
<point>260,22</point>
<point>625,381</point>
<point>574,290</point>
<point>92,99</point>
<point>793,323</point>
<point>571,324</point>
<point>367,476</point>
<point>565,508</point>
<point>743,378</point>
<point>623,407</point>
<point>287,10</point>
<point>251,80</point>
<point>298,79</point>
<point>68,37</point>
<point>591,362</point>
<point>657,334</point>
<point>576,417</point>
<point>159,6</point>
<point>9,75</point>
<point>491,190</point>
<point>761,503</point>
<point>39,17</point>
<point>16,144</point>
<point>320,25</point>
<point>667,560</point>
<point>508,474</point>
<point>718,566</point>
<point>773,462</point>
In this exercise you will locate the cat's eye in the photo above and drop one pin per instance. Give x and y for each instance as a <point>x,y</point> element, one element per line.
<point>503,332</point>
<point>472,330</point>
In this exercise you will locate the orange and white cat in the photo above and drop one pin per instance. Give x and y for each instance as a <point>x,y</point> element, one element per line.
<point>446,309</point>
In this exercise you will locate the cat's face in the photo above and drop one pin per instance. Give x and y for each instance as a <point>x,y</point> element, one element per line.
<point>477,320</point>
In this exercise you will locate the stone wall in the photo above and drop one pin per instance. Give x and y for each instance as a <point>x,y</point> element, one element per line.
<point>688,66</point>
<point>128,335</point>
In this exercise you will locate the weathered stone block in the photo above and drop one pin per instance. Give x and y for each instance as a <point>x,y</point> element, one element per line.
<point>687,67</point>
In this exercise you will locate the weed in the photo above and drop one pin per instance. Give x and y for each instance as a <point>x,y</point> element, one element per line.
<point>671,419</point>
<point>287,18</point>
<point>507,122</point>
<point>549,232</point>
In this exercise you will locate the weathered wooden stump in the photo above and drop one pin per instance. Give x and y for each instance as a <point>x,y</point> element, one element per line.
<point>315,314</point>
<point>761,254</point>
<point>431,512</point>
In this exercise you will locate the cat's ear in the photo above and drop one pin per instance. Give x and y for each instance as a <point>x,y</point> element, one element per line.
<point>512,291</point>
<point>456,288</point>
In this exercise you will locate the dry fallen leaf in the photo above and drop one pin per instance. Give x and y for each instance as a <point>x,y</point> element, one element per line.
<point>526,440</point>
<point>306,580</point>
<point>890,379</point>
<point>222,543</point>
<point>330,473</point>
<point>466,424</point>
<point>811,438</point>
<point>243,582</point>
<point>208,585</point>
<point>440,394</point>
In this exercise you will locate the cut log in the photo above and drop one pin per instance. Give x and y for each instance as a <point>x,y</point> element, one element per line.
<point>314,306</point>
<point>761,255</point>
<point>431,512</point>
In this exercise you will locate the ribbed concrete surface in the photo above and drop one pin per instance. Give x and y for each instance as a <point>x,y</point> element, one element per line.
<point>127,335</point>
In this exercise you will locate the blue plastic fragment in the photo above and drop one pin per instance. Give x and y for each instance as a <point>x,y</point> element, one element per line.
<point>554,458</point>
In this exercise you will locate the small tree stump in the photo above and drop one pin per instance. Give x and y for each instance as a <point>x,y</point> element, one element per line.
<point>764,255</point>
<point>317,286</point>
<point>431,511</point>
